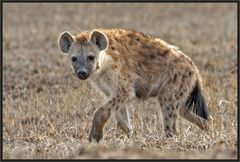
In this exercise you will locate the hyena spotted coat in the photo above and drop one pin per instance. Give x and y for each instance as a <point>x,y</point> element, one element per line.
<point>125,64</point>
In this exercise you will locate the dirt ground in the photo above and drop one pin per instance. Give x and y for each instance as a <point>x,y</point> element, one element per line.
<point>47,111</point>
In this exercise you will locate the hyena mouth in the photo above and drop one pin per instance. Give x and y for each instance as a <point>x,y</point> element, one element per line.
<point>82,77</point>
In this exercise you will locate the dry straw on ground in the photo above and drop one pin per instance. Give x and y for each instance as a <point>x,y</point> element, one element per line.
<point>47,112</point>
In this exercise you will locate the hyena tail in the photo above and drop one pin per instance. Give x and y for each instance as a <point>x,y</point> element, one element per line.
<point>196,102</point>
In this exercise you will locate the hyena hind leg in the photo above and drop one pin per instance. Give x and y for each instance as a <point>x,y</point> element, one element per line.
<point>191,117</point>
<point>170,116</point>
<point>123,121</point>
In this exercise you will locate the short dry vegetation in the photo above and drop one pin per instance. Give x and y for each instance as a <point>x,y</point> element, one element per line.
<point>47,112</point>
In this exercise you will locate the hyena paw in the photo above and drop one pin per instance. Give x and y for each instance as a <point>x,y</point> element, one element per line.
<point>168,134</point>
<point>95,136</point>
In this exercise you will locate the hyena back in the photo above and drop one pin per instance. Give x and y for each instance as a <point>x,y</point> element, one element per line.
<point>125,64</point>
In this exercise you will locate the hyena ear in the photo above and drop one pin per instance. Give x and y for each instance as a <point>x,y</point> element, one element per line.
<point>99,39</point>
<point>65,40</point>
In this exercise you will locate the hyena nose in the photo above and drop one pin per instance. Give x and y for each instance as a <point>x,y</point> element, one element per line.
<point>82,74</point>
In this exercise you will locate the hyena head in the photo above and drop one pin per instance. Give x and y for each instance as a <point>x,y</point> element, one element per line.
<point>83,53</point>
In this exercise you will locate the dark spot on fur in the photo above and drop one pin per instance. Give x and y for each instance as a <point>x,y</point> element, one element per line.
<point>137,39</point>
<point>164,53</point>
<point>168,108</point>
<point>180,94</point>
<point>166,118</point>
<point>113,48</point>
<point>113,100</point>
<point>170,115</point>
<point>167,127</point>
<point>114,66</point>
<point>152,56</point>
<point>181,86</point>
<point>177,106</point>
<point>174,78</point>
<point>170,80</point>
<point>190,73</point>
<point>129,35</point>
<point>174,115</point>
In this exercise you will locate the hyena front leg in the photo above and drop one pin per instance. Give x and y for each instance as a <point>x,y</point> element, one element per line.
<point>121,115</point>
<point>103,113</point>
<point>170,116</point>
<point>123,121</point>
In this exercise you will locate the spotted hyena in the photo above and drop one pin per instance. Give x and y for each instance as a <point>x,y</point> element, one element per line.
<point>125,64</point>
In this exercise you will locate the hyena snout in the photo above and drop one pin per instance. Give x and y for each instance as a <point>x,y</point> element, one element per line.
<point>82,74</point>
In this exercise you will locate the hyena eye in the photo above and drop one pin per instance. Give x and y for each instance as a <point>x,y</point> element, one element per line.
<point>74,59</point>
<point>91,58</point>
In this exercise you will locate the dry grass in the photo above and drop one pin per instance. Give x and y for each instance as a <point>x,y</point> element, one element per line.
<point>47,112</point>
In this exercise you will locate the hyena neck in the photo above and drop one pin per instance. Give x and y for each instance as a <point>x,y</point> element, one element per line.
<point>101,60</point>
<point>102,65</point>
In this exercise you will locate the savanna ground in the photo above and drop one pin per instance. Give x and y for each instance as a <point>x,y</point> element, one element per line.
<point>47,111</point>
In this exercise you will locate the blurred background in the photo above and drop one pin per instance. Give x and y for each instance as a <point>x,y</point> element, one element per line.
<point>47,111</point>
